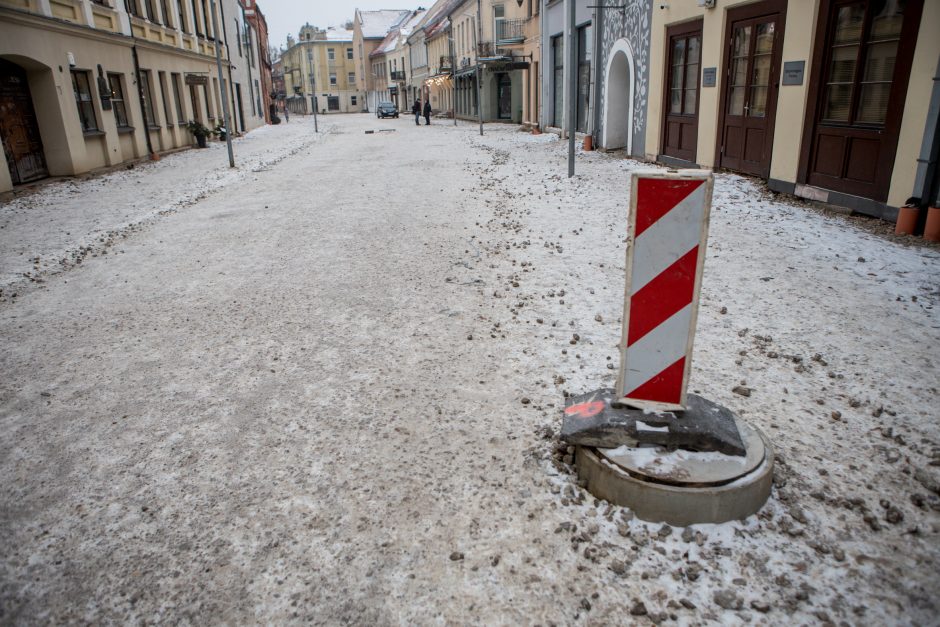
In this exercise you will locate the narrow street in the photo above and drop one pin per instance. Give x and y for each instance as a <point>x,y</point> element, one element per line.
<point>325,388</point>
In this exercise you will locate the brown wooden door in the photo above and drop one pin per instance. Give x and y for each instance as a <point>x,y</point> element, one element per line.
<point>680,105</point>
<point>749,101</point>
<point>862,64</point>
<point>19,130</point>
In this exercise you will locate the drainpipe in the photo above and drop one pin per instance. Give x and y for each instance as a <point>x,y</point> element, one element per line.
<point>597,21</point>
<point>140,99</point>
<point>928,162</point>
<point>571,89</point>
<point>541,83</point>
<point>479,68</point>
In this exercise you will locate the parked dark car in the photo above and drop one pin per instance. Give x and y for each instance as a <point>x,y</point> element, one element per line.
<point>386,110</point>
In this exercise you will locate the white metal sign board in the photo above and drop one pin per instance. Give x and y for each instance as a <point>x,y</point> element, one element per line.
<point>667,235</point>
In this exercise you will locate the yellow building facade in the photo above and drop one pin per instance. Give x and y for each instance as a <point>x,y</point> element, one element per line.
<point>321,68</point>
<point>89,84</point>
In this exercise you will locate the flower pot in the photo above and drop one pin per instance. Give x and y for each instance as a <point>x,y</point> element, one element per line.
<point>536,130</point>
<point>588,142</point>
<point>201,141</point>
<point>907,221</point>
<point>932,227</point>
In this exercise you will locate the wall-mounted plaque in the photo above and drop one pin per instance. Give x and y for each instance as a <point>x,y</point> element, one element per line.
<point>793,72</point>
<point>709,76</point>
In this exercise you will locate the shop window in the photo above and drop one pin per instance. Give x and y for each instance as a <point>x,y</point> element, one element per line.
<point>118,104</point>
<point>81,82</point>
<point>859,95</point>
<point>558,81</point>
<point>177,97</point>
<point>150,118</point>
<point>164,96</point>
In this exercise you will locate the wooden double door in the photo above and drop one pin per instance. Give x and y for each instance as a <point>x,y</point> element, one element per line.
<point>864,50</point>
<point>19,130</point>
<point>751,77</point>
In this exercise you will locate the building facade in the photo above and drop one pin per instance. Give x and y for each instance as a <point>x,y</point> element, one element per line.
<point>256,19</point>
<point>497,42</point>
<point>370,28</point>
<point>621,77</point>
<point>86,84</point>
<point>556,66</point>
<point>320,71</point>
<point>244,69</point>
<point>831,100</point>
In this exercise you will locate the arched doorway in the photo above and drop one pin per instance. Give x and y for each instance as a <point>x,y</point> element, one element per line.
<point>618,103</point>
<point>19,130</point>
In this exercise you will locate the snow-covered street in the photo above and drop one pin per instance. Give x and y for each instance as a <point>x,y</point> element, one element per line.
<point>325,387</point>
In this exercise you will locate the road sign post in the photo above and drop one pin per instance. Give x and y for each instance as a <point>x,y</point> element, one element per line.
<point>638,444</point>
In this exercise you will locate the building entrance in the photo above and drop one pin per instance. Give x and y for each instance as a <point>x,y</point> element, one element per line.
<point>19,130</point>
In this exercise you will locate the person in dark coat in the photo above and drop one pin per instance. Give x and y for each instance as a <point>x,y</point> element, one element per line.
<point>416,109</point>
<point>427,113</point>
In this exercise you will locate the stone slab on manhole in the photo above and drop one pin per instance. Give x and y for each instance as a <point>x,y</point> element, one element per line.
<point>597,419</point>
<point>682,467</point>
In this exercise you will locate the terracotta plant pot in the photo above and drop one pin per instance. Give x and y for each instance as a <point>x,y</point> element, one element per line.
<point>536,130</point>
<point>588,142</point>
<point>932,228</point>
<point>907,221</point>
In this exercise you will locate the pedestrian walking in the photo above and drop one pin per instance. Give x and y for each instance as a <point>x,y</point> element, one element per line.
<point>416,109</point>
<point>427,113</point>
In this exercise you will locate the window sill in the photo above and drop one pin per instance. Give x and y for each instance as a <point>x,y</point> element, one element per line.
<point>124,130</point>
<point>93,133</point>
<point>153,127</point>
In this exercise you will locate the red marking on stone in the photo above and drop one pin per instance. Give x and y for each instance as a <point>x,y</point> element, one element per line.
<point>657,197</point>
<point>585,410</point>
<point>665,387</point>
<point>662,297</point>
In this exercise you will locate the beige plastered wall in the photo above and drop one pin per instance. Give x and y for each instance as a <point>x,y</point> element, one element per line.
<point>44,56</point>
<point>42,50</point>
<point>923,69</point>
<point>800,28</point>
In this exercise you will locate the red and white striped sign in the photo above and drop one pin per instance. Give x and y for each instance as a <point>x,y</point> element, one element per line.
<point>667,233</point>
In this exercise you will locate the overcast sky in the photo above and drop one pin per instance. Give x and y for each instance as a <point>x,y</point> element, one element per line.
<point>285,17</point>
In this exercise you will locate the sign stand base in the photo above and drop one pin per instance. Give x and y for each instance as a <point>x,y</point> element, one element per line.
<point>629,482</point>
<point>701,465</point>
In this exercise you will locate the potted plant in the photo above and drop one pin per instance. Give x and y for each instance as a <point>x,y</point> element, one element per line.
<point>220,131</point>
<point>199,131</point>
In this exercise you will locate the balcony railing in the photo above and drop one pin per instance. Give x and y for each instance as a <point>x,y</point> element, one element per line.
<point>510,32</point>
<point>489,50</point>
<point>398,75</point>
